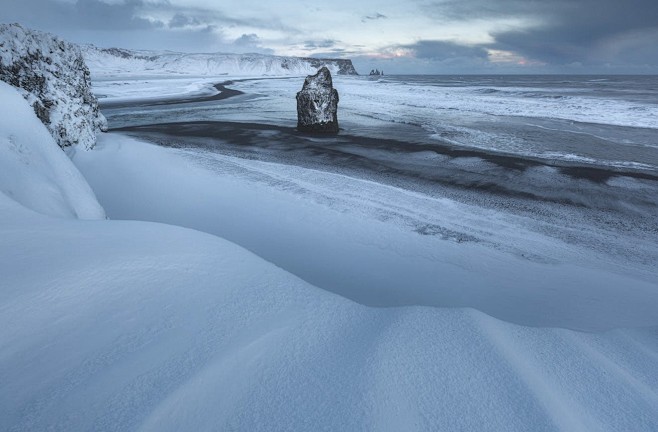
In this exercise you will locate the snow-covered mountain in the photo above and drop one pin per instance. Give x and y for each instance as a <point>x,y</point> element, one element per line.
<point>51,74</point>
<point>115,61</point>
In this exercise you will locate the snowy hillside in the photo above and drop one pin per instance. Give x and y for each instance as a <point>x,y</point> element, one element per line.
<point>52,76</point>
<point>141,326</point>
<point>114,61</point>
<point>33,170</point>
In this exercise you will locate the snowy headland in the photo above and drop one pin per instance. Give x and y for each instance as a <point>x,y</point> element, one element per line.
<point>251,279</point>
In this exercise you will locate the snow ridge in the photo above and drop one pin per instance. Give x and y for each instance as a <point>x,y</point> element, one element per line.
<point>115,61</point>
<point>51,74</point>
<point>34,172</point>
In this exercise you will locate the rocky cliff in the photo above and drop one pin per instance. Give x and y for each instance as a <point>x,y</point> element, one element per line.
<point>51,74</point>
<point>115,61</point>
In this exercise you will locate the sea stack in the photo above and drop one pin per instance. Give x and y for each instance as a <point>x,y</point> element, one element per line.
<point>317,104</point>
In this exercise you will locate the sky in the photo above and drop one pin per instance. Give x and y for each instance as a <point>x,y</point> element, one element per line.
<point>410,36</point>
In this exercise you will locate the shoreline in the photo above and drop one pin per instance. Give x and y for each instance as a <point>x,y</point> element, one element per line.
<point>573,169</point>
<point>224,93</point>
<point>243,131</point>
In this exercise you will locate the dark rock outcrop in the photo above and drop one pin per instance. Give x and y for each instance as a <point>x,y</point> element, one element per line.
<point>317,104</point>
<point>51,74</point>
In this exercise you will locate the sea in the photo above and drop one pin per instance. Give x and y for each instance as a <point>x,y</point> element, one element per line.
<point>599,120</point>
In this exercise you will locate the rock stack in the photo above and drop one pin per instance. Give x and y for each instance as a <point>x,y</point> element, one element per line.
<point>317,104</point>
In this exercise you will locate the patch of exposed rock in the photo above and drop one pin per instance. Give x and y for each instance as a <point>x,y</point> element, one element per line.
<point>51,74</point>
<point>317,104</point>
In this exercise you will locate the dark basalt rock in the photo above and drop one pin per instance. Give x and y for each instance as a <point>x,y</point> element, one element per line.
<point>317,104</point>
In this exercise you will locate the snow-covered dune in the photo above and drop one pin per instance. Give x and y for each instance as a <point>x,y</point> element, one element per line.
<point>34,171</point>
<point>121,62</point>
<point>111,325</point>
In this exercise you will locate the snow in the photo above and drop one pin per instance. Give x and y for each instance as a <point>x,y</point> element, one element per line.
<point>364,240</point>
<point>56,82</point>
<point>133,325</point>
<point>110,89</point>
<point>120,62</point>
<point>141,326</point>
<point>34,171</point>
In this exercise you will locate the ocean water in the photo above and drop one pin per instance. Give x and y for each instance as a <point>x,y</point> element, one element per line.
<point>610,121</point>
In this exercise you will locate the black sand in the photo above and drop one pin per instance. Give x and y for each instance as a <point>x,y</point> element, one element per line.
<point>414,162</point>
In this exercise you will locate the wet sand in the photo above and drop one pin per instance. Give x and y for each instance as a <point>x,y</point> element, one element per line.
<point>250,134</point>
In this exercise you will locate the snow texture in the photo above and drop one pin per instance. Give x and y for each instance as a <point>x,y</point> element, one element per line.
<point>141,326</point>
<point>53,77</point>
<point>317,104</point>
<point>33,170</point>
<point>114,61</point>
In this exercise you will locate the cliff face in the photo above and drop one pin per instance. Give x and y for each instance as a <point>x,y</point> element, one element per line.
<point>52,76</point>
<point>115,61</point>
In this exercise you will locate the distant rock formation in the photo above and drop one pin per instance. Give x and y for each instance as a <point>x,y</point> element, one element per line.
<point>376,72</point>
<point>52,76</point>
<point>317,104</point>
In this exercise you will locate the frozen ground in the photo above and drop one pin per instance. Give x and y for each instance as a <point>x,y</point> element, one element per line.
<point>132,325</point>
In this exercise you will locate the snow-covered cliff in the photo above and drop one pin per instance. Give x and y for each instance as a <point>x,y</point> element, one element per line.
<point>51,74</point>
<point>114,61</point>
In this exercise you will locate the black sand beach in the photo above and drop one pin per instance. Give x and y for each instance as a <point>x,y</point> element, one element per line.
<point>402,156</point>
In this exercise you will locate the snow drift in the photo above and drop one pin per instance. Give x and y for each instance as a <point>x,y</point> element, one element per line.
<point>141,326</point>
<point>53,77</point>
<point>33,170</point>
<point>115,61</point>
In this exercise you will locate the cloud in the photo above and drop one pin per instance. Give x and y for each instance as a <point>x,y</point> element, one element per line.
<point>546,35</point>
<point>444,50</point>
<point>564,32</point>
<point>247,40</point>
<point>250,43</point>
<point>427,56</point>
<point>323,44</point>
<point>469,10</point>
<point>142,24</point>
<point>374,17</point>
<point>180,20</point>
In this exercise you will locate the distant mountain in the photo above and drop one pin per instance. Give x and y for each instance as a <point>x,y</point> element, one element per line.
<point>116,61</point>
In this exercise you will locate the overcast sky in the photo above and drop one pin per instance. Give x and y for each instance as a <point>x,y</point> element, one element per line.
<point>402,36</point>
